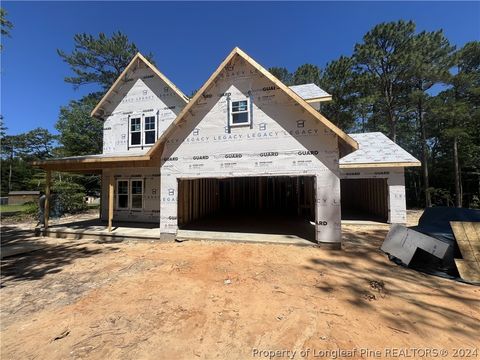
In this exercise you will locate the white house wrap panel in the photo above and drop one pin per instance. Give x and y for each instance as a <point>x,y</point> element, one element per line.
<point>282,139</point>
<point>143,95</point>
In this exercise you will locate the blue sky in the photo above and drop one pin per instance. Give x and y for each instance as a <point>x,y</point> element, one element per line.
<point>189,40</point>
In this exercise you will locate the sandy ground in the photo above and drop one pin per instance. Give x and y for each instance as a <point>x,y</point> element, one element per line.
<point>214,300</point>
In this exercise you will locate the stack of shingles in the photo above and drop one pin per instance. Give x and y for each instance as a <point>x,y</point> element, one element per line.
<point>467,235</point>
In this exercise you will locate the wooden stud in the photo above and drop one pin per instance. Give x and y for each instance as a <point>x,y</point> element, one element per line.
<point>377,165</point>
<point>48,179</point>
<point>111,184</point>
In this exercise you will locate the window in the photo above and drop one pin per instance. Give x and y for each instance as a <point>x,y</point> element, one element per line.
<point>122,194</point>
<point>137,194</point>
<point>130,194</point>
<point>135,131</point>
<point>150,130</point>
<point>240,113</point>
<point>143,130</point>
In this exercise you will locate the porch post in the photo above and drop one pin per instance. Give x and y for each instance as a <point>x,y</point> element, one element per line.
<point>110,201</point>
<point>48,179</point>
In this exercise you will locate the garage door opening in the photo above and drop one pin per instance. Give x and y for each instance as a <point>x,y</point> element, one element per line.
<point>364,199</point>
<point>256,205</point>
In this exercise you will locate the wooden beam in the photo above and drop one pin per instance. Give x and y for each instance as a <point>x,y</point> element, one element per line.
<point>111,181</point>
<point>48,179</point>
<point>379,165</point>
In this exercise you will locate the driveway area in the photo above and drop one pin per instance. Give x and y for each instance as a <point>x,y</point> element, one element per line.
<point>75,299</point>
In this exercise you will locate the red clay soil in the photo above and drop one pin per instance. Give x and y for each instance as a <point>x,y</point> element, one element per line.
<point>206,300</point>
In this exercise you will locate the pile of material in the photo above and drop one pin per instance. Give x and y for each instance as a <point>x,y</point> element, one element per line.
<point>433,247</point>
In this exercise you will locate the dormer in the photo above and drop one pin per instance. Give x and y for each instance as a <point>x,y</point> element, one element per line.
<point>312,94</point>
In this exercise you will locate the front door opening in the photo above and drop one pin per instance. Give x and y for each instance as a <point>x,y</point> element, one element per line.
<point>265,205</point>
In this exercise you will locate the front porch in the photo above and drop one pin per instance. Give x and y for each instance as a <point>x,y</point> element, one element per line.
<point>99,231</point>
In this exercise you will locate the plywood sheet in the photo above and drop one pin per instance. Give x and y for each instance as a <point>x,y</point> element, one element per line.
<point>467,235</point>
<point>468,270</point>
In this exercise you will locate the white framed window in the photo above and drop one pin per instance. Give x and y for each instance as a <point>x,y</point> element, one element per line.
<point>136,187</point>
<point>240,113</point>
<point>150,130</point>
<point>122,194</point>
<point>129,194</point>
<point>143,130</point>
<point>135,131</point>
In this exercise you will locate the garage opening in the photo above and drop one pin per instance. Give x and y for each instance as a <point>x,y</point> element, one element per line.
<point>364,199</point>
<point>262,205</point>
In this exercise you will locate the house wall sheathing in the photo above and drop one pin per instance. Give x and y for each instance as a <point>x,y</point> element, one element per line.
<point>142,93</point>
<point>151,198</point>
<point>283,140</point>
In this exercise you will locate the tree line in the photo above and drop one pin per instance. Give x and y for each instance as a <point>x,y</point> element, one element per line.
<point>422,92</point>
<point>415,87</point>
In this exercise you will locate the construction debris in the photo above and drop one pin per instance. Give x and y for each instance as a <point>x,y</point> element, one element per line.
<point>402,243</point>
<point>441,252</point>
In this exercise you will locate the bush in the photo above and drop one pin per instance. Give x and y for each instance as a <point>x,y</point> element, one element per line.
<point>31,208</point>
<point>68,198</point>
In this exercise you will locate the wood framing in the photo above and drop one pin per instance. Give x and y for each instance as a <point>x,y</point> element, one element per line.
<point>379,165</point>
<point>111,194</point>
<point>94,165</point>
<point>135,61</point>
<point>48,179</point>
<point>346,140</point>
<point>319,99</point>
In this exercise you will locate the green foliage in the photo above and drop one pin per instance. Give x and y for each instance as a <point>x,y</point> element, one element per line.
<point>99,60</point>
<point>339,79</point>
<point>306,74</point>
<point>282,74</point>
<point>17,151</point>
<point>79,133</point>
<point>30,208</point>
<point>68,198</point>
<point>5,25</point>
<point>386,54</point>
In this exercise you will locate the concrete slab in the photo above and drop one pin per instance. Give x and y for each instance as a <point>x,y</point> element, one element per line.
<point>183,235</point>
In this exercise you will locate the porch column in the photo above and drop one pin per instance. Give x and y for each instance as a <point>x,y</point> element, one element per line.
<point>110,201</point>
<point>48,179</point>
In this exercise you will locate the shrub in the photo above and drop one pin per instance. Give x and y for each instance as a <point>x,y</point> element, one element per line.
<point>68,197</point>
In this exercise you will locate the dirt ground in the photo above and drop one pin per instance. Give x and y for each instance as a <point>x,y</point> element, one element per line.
<point>214,300</point>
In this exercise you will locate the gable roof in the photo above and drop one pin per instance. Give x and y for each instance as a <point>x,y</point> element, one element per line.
<point>376,149</point>
<point>121,79</point>
<point>347,140</point>
<point>311,93</point>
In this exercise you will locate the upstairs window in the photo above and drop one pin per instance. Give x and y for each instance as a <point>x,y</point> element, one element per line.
<point>150,130</point>
<point>143,130</point>
<point>135,131</point>
<point>240,113</point>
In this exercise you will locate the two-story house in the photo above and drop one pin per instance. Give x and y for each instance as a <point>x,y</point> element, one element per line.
<point>246,150</point>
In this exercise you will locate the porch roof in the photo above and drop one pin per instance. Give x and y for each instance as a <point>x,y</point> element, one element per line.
<point>94,163</point>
